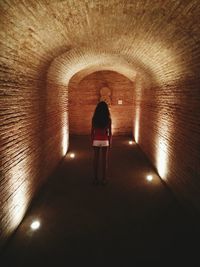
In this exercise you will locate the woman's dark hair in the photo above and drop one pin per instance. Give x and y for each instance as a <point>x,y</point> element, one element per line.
<point>101,117</point>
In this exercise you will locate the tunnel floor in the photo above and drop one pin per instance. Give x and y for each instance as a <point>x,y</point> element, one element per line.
<point>128,222</point>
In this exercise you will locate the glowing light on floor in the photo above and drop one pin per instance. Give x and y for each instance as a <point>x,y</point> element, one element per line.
<point>149,178</point>
<point>130,142</point>
<point>35,225</point>
<point>72,155</point>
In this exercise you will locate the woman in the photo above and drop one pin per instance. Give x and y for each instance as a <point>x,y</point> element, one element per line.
<point>101,139</point>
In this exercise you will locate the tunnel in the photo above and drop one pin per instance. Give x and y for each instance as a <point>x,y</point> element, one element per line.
<point>57,55</point>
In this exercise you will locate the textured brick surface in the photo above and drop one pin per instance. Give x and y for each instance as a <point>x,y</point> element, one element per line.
<point>45,43</point>
<point>85,94</point>
<point>169,133</point>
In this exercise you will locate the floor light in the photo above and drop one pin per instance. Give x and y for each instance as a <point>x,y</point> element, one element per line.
<point>149,178</point>
<point>72,155</point>
<point>35,225</point>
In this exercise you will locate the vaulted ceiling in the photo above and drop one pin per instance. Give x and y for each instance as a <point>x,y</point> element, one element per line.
<point>155,38</point>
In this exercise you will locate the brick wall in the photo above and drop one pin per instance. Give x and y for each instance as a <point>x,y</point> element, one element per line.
<point>32,125</point>
<point>33,118</point>
<point>167,123</point>
<point>85,94</point>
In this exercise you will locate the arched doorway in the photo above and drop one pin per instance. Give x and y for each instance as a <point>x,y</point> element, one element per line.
<point>84,94</point>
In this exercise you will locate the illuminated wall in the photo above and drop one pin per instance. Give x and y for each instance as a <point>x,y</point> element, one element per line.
<point>169,135</point>
<point>34,138</point>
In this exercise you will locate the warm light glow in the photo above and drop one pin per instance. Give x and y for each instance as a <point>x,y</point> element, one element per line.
<point>64,141</point>
<point>130,142</point>
<point>35,225</point>
<point>65,135</point>
<point>72,155</point>
<point>162,159</point>
<point>114,123</point>
<point>149,178</point>
<point>17,193</point>
<point>137,118</point>
<point>138,90</point>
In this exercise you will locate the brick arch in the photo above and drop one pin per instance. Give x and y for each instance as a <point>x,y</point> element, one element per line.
<point>84,94</point>
<point>86,61</point>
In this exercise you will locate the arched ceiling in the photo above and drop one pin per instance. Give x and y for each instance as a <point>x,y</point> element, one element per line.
<point>86,61</point>
<point>156,38</point>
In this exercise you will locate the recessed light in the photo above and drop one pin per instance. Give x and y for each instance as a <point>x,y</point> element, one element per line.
<point>35,225</point>
<point>72,155</point>
<point>149,178</point>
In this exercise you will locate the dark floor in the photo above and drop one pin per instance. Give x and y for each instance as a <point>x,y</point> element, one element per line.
<point>128,222</point>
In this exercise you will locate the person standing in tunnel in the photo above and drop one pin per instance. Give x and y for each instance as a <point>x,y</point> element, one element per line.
<point>101,135</point>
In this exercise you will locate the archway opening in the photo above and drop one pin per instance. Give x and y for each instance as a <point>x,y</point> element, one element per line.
<point>84,94</point>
